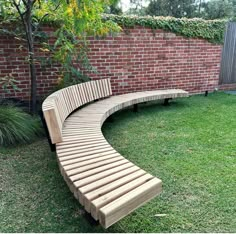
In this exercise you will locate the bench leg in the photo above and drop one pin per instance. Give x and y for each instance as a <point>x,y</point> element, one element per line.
<point>90,219</point>
<point>166,101</point>
<point>110,119</point>
<point>135,108</point>
<point>52,146</point>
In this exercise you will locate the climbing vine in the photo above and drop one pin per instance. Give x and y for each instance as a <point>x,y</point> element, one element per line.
<point>211,30</point>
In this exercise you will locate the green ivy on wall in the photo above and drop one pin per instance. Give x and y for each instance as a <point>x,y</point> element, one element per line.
<point>211,30</point>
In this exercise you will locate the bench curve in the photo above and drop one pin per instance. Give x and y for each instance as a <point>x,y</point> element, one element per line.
<point>105,183</point>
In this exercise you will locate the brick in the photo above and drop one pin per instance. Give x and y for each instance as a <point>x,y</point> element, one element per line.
<point>140,60</point>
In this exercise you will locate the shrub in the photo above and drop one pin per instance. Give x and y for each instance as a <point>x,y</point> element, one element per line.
<point>16,126</point>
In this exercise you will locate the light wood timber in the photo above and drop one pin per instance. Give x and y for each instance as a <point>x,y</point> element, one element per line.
<point>119,208</point>
<point>105,183</point>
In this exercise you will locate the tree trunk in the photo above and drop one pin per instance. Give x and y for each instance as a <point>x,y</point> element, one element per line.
<point>33,95</point>
<point>199,8</point>
<point>26,19</point>
<point>30,40</point>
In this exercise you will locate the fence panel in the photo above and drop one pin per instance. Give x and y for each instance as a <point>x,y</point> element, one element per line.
<point>228,58</point>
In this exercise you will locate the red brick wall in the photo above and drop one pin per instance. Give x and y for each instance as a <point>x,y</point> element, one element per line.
<point>136,59</point>
<point>143,60</point>
<point>13,63</point>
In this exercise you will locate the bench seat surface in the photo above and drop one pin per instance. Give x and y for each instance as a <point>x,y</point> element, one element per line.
<point>106,184</point>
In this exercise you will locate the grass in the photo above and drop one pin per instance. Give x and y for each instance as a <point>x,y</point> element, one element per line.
<point>190,145</point>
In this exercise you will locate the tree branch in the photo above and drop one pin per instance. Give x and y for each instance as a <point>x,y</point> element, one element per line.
<point>41,20</point>
<point>57,7</point>
<point>25,3</point>
<point>37,28</point>
<point>22,19</point>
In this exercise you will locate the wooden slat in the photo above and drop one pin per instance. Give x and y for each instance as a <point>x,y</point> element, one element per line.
<point>71,92</point>
<point>106,185</point>
<point>95,171</point>
<point>124,205</point>
<point>100,85</point>
<point>67,100</point>
<point>53,124</point>
<point>94,90</point>
<point>81,117</point>
<point>103,174</point>
<point>82,153</point>
<point>79,143</point>
<point>82,122</point>
<point>90,162</point>
<point>89,91</point>
<point>98,88</point>
<point>86,93</point>
<point>59,109</point>
<point>109,87</point>
<point>76,95</point>
<point>82,128</point>
<point>64,108</point>
<point>82,132</point>
<point>82,137</point>
<point>85,147</point>
<point>93,166</point>
<point>103,186</point>
<point>93,156</point>
<point>118,192</point>
<point>82,94</point>
<point>72,101</point>
<point>105,87</point>
<point>79,140</point>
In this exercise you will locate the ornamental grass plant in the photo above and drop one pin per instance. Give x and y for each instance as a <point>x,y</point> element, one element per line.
<point>17,126</point>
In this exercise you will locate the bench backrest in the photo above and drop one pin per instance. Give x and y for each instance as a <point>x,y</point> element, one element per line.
<point>59,105</point>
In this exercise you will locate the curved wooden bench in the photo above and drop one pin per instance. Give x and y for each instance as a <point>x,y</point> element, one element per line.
<point>106,184</point>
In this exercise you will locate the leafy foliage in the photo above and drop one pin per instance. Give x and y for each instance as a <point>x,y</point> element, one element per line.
<point>114,8</point>
<point>175,8</point>
<point>16,126</point>
<point>206,9</point>
<point>9,81</point>
<point>75,20</point>
<point>216,9</point>
<point>211,30</point>
<point>136,7</point>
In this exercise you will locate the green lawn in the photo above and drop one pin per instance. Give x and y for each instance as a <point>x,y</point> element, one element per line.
<point>190,145</point>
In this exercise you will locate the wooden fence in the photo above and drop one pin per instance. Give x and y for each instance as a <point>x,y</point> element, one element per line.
<point>228,58</point>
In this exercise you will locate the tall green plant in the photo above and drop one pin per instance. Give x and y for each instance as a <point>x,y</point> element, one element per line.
<point>16,126</point>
